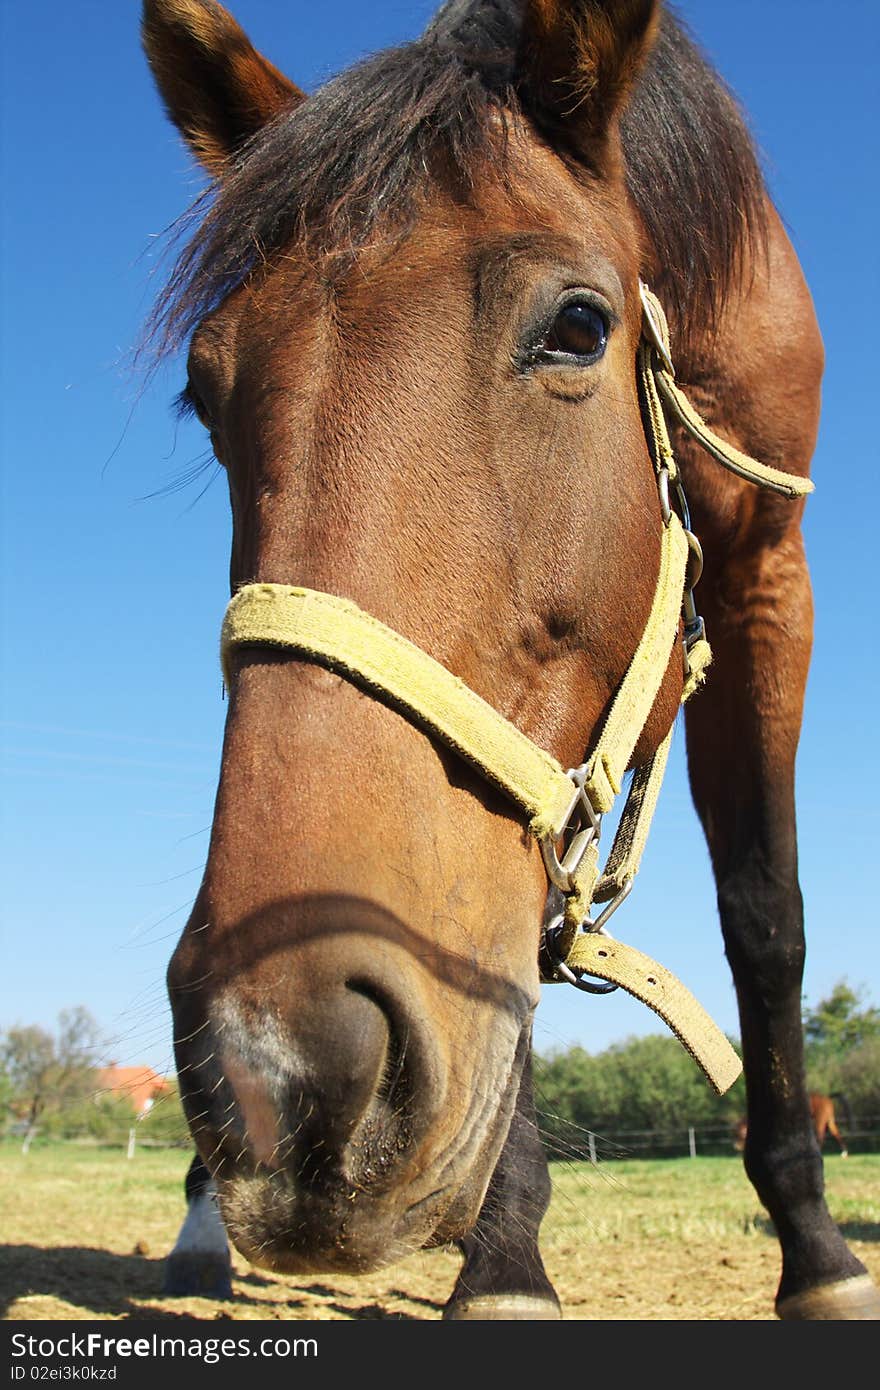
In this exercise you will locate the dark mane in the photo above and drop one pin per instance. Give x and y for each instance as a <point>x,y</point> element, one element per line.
<point>359,150</point>
<point>693,173</point>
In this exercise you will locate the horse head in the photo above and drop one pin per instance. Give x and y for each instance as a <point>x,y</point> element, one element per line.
<point>413,317</point>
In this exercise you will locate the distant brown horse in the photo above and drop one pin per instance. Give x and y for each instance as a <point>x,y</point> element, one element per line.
<point>418,339</point>
<point>824,1122</point>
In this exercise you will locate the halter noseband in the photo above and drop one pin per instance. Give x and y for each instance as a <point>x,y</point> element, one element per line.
<point>563,809</point>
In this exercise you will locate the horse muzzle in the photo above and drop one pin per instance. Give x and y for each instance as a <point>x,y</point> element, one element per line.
<point>321,1100</point>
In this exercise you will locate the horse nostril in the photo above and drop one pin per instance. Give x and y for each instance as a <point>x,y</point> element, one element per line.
<point>389,1088</point>
<point>339,1055</point>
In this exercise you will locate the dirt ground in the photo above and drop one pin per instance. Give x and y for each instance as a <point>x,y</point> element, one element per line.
<point>676,1240</point>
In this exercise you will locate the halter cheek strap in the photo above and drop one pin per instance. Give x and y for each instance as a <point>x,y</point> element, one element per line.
<point>563,810</point>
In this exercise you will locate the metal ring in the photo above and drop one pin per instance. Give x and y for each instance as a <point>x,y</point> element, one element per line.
<point>683,504</point>
<point>589,986</point>
<point>694,568</point>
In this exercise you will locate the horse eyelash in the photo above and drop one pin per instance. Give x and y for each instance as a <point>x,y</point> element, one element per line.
<point>183,405</point>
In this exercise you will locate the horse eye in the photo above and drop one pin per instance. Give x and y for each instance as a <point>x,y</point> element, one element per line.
<point>578,330</point>
<point>191,401</point>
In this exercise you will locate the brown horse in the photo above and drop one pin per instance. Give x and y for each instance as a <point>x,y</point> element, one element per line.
<point>413,314</point>
<point>824,1122</point>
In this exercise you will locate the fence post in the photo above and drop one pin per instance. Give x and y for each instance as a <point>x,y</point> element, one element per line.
<point>591,1139</point>
<point>130,1152</point>
<point>692,1141</point>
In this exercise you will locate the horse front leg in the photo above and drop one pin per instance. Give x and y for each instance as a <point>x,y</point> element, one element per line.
<point>503,1276</point>
<point>200,1264</point>
<point>742,734</point>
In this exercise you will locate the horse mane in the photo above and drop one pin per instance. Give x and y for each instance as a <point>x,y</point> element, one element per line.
<point>357,153</point>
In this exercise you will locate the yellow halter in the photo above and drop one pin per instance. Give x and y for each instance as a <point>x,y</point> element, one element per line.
<point>564,809</point>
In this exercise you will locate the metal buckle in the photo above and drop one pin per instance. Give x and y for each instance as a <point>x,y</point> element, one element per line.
<point>597,924</point>
<point>584,823</point>
<point>553,964</point>
<point>694,627</point>
<point>663,489</point>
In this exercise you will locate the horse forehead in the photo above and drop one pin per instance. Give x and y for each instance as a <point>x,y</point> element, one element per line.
<point>423,291</point>
<point>537,198</point>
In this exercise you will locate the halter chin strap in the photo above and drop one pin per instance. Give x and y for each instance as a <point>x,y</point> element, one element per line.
<point>563,809</point>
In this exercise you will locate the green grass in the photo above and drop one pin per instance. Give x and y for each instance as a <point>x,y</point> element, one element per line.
<point>57,1189</point>
<point>672,1199</point>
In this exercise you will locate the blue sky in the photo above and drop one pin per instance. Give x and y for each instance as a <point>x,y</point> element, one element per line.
<point>111,715</point>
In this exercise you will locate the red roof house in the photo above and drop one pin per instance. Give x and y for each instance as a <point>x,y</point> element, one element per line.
<point>141,1085</point>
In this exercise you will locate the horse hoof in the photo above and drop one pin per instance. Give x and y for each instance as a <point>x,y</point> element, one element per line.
<point>503,1307</point>
<point>197,1276</point>
<point>849,1299</point>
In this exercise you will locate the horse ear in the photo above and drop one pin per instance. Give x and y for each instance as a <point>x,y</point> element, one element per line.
<point>578,61</point>
<point>217,89</point>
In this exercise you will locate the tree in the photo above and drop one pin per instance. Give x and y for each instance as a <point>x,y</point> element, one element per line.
<point>166,1122</point>
<point>46,1072</point>
<point>838,1024</point>
<point>641,1084</point>
<point>28,1059</point>
<point>859,1080</point>
<point>842,1044</point>
<point>6,1089</point>
<point>651,1084</point>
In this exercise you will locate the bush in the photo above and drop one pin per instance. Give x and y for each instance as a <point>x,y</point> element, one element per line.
<point>648,1083</point>
<point>108,1119</point>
